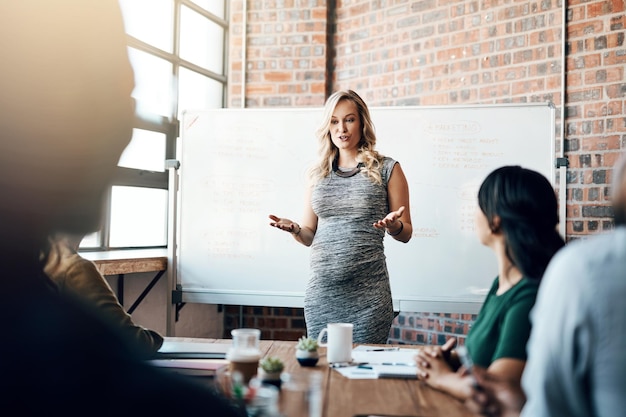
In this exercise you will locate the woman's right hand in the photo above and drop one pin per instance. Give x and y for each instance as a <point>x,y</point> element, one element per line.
<point>285,224</point>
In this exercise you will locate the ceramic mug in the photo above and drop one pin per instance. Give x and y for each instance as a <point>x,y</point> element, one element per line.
<point>339,341</point>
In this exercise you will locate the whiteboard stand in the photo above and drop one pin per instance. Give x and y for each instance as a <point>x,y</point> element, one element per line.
<point>562,164</point>
<point>172,166</point>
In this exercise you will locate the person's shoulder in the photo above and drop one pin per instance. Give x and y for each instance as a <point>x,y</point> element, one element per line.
<point>388,163</point>
<point>387,160</point>
<point>526,289</point>
<point>580,263</point>
<point>593,249</point>
<point>528,284</point>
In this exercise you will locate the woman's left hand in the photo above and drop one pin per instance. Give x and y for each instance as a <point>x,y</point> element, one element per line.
<point>391,220</point>
<point>432,366</point>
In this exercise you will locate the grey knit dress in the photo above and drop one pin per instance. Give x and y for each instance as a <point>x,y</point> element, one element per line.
<point>349,281</point>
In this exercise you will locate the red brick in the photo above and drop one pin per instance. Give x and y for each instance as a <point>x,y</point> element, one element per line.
<point>592,60</point>
<point>553,83</point>
<point>605,7</point>
<point>617,125</point>
<point>615,40</point>
<point>319,13</point>
<point>278,76</point>
<point>450,54</point>
<point>574,79</point>
<point>614,58</point>
<point>618,23</point>
<point>527,86</point>
<point>600,109</point>
<point>602,143</point>
<point>577,13</point>
<point>573,211</point>
<point>610,158</point>
<point>260,89</point>
<point>588,94</point>
<point>584,29</point>
<point>312,26</point>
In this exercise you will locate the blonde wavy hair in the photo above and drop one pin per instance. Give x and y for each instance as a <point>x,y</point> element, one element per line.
<point>328,152</point>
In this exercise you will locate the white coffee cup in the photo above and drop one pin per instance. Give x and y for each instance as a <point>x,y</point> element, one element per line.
<point>339,343</point>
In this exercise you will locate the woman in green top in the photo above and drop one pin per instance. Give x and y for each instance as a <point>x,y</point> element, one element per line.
<point>517,218</point>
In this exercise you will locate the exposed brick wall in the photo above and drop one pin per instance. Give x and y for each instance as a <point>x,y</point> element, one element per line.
<point>595,110</point>
<point>285,55</point>
<point>430,328</point>
<point>279,323</point>
<point>450,52</point>
<point>275,323</point>
<point>441,52</point>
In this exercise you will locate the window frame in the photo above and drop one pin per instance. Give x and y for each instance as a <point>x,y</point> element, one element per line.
<point>167,125</point>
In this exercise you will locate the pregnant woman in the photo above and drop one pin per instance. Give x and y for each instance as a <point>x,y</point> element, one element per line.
<point>355,196</point>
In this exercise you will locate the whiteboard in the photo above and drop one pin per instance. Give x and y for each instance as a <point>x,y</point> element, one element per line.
<point>237,166</point>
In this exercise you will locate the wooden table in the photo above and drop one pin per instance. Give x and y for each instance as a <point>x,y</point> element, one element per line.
<point>123,262</point>
<point>345,397</point>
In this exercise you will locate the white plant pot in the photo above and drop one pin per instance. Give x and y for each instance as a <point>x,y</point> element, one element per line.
<point>307,358</point>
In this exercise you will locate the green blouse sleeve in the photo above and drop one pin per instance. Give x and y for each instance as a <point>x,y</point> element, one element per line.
<point>515,327</point>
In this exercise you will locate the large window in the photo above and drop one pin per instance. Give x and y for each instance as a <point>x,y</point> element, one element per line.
<point>178,51</point>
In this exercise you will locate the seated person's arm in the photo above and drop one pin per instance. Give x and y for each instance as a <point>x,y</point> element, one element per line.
<point>507,364</point>
<point>77,276</point>
<point>509,357</point>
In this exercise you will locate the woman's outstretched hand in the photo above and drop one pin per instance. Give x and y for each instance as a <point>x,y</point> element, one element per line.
<point>390,221</point>
<point>284,224</point>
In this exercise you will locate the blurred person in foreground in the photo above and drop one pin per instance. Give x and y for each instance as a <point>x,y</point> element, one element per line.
<point>65,117</point>
<point>576,365</point>
<point>79,277</point>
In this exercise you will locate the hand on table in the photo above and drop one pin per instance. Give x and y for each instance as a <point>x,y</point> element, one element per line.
<point>494,397</point>
<point>433,362</point>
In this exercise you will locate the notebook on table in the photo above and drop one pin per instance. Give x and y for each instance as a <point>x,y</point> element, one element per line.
<point>371,362</point>
<point>193,367</point>
<point>174,349</point>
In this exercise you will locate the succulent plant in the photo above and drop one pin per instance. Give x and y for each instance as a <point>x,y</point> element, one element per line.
<point>307,343</point>
<point>272,364</point>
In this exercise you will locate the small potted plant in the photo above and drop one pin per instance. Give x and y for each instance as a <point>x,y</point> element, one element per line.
<point>306,351</point>
<point>270,369</point>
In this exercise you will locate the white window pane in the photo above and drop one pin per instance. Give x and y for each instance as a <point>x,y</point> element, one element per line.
<point>146,150</point>
<point>153,83</point>
<point>150,21</point>
<point>197,92</point>
<point>214,6</point>
<point>138,217</point>
<point>91,240</point>
<point>201,41</point>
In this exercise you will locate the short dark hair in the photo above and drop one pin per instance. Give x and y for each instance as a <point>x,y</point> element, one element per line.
<point>527,206</point>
